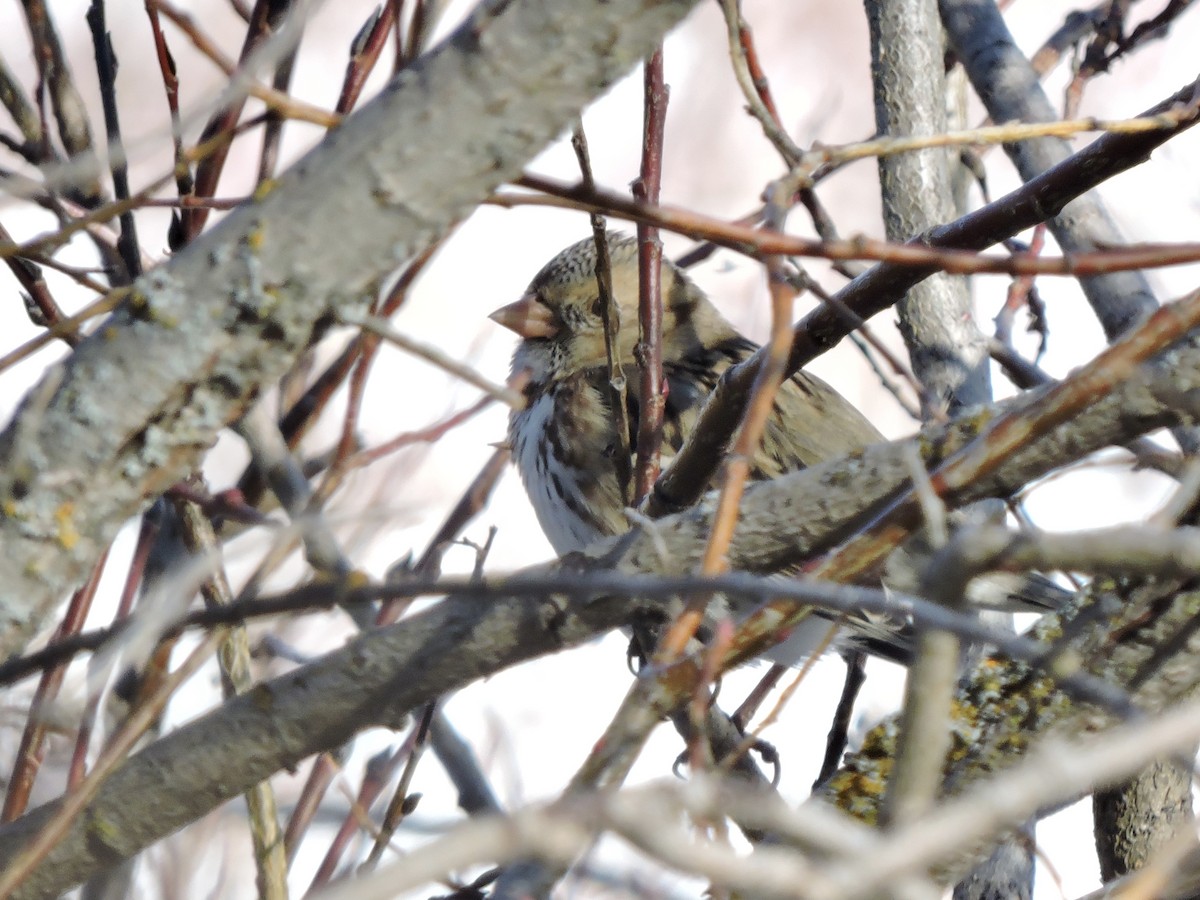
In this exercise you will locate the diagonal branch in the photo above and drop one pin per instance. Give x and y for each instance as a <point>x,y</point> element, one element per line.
<point>133,409</point>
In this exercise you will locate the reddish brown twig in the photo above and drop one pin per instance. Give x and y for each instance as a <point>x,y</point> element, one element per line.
<point>403,802</point>
<point>32,748</point>
<point>1002,437</point>
<point>166,67</point>
<point>739,461</point>
<point>472,501</point>
<point>49,242</point>
<point>265,18</point>
<point>320,777</point>
<point>379,771</point>
<point>357,357</point>
<point>364,54</point>
<point>42,306</point>
<point>753,82</point>
<point>1021,294</point>
<point>147,535</point>
<point>1110,43</point>
<point>925,252</point>
<point>420,436</point>
<point>72,806</point>
<point>883,285</point>
<point>648,351</point>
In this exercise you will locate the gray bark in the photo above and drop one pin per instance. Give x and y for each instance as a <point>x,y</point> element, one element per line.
<point>948,352</point>
<point>1009,89</point>
<point>937,318</point>
<point>1139,817</point>
<point>1005,875</point>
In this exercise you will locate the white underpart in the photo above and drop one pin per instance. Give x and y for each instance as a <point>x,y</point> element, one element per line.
<point>568,533</point>
<point>565,531</point>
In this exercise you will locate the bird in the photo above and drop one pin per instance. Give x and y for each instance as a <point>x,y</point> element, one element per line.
<point>566,442</point>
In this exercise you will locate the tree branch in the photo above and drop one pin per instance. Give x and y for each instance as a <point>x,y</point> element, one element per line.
<point>135,406</point>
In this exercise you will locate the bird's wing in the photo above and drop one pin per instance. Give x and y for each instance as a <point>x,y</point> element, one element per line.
<point>812,422</point>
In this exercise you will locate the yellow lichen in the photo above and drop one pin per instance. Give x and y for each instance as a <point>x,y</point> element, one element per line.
<point>265,187</point>
<point>104,830</point>
<point>68,535</point>
<point>357,579</point>
<point>254,238</point>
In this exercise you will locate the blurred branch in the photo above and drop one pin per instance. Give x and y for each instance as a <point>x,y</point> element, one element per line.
<point>1009,89</point>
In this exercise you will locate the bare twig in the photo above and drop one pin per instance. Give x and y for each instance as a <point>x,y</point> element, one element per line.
<point>922,254</point>
<point>234,658</point>
<point>610,313</point>
<point>32,750</point>
<point>753,82</point>
<point>648,351</point>
<point>738,465</point>
<point>106,68</point>
<point>434,355</point>
<point>114,754</point>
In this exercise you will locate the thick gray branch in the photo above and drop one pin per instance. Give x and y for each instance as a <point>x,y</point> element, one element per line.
<point>948,352</point>
<point>135,406</point>
<point>1137,818</point>
<point>1009,89</point>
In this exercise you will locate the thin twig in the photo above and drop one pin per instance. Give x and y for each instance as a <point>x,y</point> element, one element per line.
<point>403,802</point>
<point>368,44</point>
<point>918,253</point>
<point>753,82</point>
<point>74,803</point>
<point>278,102</point>
<point>32,750</point>
<point>166,67</point>
<point>648,351</point>
<point>106,71</point>
<point>610,312</point>
<point>433,355</point>
<point>200,538</point>
<point>740,459</point>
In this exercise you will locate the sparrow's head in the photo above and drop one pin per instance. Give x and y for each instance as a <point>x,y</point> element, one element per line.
<point>561,320</point>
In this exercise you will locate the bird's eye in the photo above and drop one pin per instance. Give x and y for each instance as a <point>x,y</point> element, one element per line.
<point>598,307</point>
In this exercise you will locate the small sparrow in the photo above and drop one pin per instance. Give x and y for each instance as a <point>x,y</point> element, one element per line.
<point>565,441</point>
